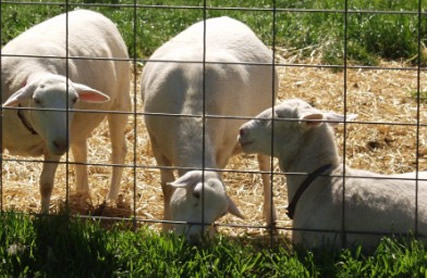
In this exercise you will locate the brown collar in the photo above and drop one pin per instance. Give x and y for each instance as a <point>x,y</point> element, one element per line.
<point>303,187</point>
<point>25,122</point>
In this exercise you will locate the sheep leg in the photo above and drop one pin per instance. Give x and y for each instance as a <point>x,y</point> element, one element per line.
<point>117,126</point>
<point>269,209</point>
<point>79,150</point>
<point>46,180</point>
<point>165,177</point>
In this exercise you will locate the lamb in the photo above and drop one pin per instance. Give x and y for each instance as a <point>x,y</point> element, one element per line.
<point>42,82</point>
<point>374,203</point>
<point>234,89</point>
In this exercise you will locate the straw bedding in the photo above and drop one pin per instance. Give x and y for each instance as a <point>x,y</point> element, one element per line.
<point>375,95</point>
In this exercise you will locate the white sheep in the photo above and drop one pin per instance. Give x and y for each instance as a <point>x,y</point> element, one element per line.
<point>232,88</point>
<point>41,82</point>
<point>303,144</point>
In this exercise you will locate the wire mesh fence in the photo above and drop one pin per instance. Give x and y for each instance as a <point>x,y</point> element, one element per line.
<point>377,141</point>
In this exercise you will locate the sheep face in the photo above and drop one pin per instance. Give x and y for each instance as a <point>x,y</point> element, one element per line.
<point>49,93</point>
<point>293,119</point>
<point>255,135</point>
<point>191,198</point>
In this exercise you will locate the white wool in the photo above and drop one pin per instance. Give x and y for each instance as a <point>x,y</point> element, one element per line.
<point>40,82</point>
<point>230,87</point>
<point>374,203</point>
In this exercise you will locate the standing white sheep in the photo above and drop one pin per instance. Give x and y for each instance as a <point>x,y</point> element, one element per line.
<point>374,203</point>
<point>40,82</point>
<point>232,88</point>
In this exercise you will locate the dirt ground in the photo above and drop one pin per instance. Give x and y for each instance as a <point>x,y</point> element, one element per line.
<point>383,98</point>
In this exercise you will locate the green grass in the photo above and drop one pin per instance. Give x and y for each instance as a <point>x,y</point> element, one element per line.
<point>58,246</point>
<point>423,95</point>
<point>370,36</point>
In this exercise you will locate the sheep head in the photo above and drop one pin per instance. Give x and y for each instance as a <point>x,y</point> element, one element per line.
<point>193,196</point>
<point>293,119</point>
<point>48,94</point>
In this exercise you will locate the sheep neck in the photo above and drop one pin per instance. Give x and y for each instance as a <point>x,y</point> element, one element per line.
<point>303,187</point>
<point>192,153</point>
<point>25,122</point>
<point>316,149</point>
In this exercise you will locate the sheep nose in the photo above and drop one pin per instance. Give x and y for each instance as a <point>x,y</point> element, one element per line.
<point>242,132</point>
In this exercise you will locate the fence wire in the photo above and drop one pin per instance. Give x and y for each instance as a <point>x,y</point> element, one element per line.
<point>274,10</point>
<point>1,109</point>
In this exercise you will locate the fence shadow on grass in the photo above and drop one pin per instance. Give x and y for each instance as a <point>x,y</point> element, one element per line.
<point>75,250</point>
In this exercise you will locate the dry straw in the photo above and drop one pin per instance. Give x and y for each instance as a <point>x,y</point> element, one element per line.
<point>375,95</point>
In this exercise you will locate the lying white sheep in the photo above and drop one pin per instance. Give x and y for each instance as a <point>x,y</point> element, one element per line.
<point>304,144</point>
<point>41,82</point>
<point>231,90</point>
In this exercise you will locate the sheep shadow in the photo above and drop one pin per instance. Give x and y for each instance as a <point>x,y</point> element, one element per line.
<point>107,213</point>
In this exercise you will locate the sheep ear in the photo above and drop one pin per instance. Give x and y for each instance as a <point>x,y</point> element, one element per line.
<point>16,98</point>
<point>185,181</point>
<point>312,119</point>
<point>232,208</point>
<point>338,118</point>
<point>88,94</point>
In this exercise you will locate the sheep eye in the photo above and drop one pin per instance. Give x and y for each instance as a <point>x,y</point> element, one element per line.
<point>37,101</point>
<point>75,99</point>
